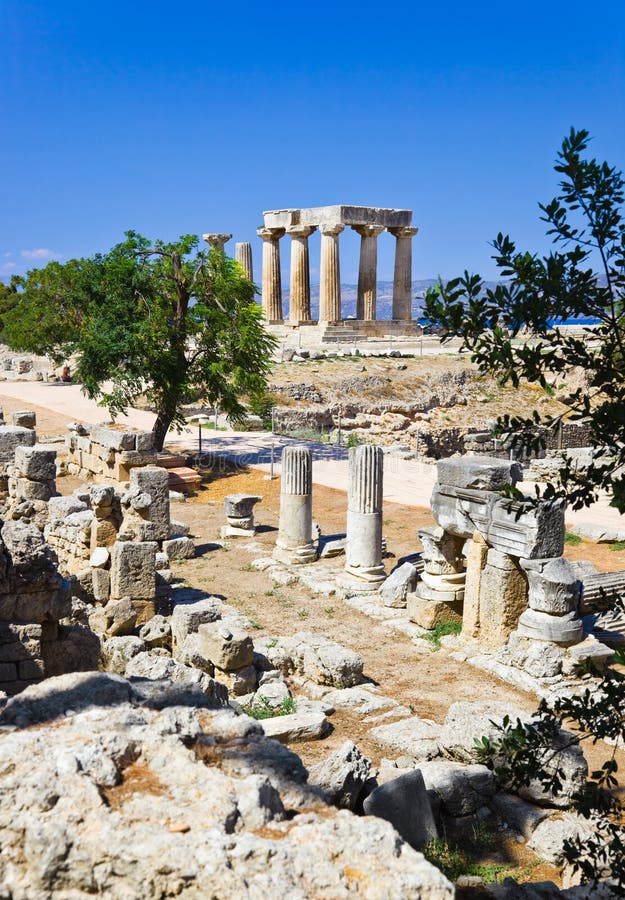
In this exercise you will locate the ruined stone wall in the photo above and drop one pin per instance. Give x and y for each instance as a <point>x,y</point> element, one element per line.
<point>108,452</point>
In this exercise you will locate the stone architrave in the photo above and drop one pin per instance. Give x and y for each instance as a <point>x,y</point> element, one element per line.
<point>294,544</point>
<point>217,240</point>
<point>368,271</point>
<point>299,294</point>
<point>272,276</point>
<point>330,274</point>
<point>476,551</point>
<point>402,278</point>
<point>503,598</point>
<point>363,552</point>
<point>243,255</point>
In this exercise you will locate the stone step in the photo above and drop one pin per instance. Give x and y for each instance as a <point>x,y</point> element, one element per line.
<point>171,460</point>
<point>182,478</point>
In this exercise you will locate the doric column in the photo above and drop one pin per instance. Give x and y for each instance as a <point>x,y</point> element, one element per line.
<point>272,278</point>
<point>368,270</point>
<point>243,255</point>
<point>330,274</point>
<point>299,303</point>
<point>294,544</point>
<point>402,280</point>
<point>217,240</point>
<point>363,550</point>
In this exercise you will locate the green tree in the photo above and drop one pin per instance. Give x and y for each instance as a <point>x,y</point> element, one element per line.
<point>586,221</point>
<point>165,320</point>
<point>509,331</point>
<point>8,299</point>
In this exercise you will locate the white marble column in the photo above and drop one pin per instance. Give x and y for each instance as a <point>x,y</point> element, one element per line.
<point>243,255</point>
<point>294,544</point>
<point>299,302</point>
<point>217,240</point>
<point>364,569</point>
<point>402,280</point>
<point>330,274</point>
<point>272,277</point>
<point>368,271</point>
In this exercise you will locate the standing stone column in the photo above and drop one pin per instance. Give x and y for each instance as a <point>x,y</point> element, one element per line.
<point>294,544</point>
<point>272,277</point>
<point>402,279</point>
<point>217,240</point>
<point>363,564</point>
<point>330,274</point>
<point>368,271</point>
<point>243,255</point>
<point>299,304</point>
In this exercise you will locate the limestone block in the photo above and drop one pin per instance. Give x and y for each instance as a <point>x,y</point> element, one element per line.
<point>179,548</point>
<point>534,534</point>
<point>540,626</point>
<point>101,581</point>
<point>162,561</point>
<point>553,585</point>
<point>60,507</point>
<point>12,437</point>
<point>154,481</point>
<point>296,727</point>
<point>118,651</point>
<point>399,583</point>
<point>460,789</point>
<point>176,528</point>
<point>103,533</point>
<point>37,463</point>
<point>188,653</point>
<point>101,495</point>
<point>144,441</point>
<point>416,737</point>
<point>482,473</point>
<point>99,558</point>
<point>462,511</point>
<point>430,613</point>
<point>34,490</point>
<point>113,438</point>
<point>227,646</point>
<point>342,775</point>
<point>535,657</point>
<point>133,568</point>
<point>240,681</point>
<point>404,803</point>
<point>475,555</point>
<point>24,418</point>
<point>503,597</point>
<point>156,632</point>
<point>188,615</point>
<point>118,617</point>
<point>132,458</point>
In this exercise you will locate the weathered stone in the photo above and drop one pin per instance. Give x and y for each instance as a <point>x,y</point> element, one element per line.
<point>321,659</point>
<point>296,727</point>
<point>503,597</point>
<point>363,551</point>
<point>12,437</point>
<point>188,653</point>
<point>240,681</point>
<point>342,775</point>
<point>156,632</point>
<point>482,473</point>
<point>418,738</point>
<point>101,585</point>
<point>24,418</point>
<point>118,617</point>
<point>548,837</point>
<point>154,481</point>
<point>188,615</point>
<point>461,789</point>
<point>37,463</point>
<point>553,585</point>
<point>179,548</point>
<point>404,803</point>
<point>240,506</point>
<point>540,626</point>
<point>60,507</point>
<point>113,438</point>
<point>430,613</point>
<point>518,814</point>
<point>133,569</point>
<point>118,651</point>
<point>399,583</point>
<point>100,557</point>
<point>226,645</point>
<point>476,552</point>
<point>294,544</point>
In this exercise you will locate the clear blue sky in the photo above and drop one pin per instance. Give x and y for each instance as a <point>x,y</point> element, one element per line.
<point>174,118</point>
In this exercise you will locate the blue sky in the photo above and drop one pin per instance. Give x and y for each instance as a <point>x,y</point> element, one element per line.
<point>196,117</point>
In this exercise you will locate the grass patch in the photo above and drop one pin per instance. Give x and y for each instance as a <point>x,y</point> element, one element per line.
<point>248,567</point>
<point>617,545</point>
<point>302,613</point>
<point>457,859</point>
<point>329,611</point>
<point>260,708</point>
<point>572,539</point>
<point>434,636</point>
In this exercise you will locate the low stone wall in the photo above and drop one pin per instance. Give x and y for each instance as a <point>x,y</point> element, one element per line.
<point>108,452</point>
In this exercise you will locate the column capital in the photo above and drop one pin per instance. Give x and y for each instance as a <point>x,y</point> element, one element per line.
<point>216,239</point>
<point>331,229</point>
<point>407,231</point>
<point>368,230</point>
<point>300,231</point>
<point>270,234</point>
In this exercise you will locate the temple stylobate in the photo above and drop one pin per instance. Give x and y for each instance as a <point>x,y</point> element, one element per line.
<point>369,222</point>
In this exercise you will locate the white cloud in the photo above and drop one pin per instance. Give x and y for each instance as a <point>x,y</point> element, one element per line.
<point>6,268</point>
<point>7,254</point>
<point>40,253</point>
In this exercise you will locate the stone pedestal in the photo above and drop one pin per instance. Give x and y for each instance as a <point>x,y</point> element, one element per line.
<point>217,240</point>
<point>299,302</point>
<point>272,277</point>
<point>440,592</point>
<point>364,569</point>
<point>402,278</point>
<point>476,551</point>
<point>294,544</point>
<point>503,598</point>
<point>239,510</point>
<point>243,255</point>
<point>553,600</point>
<point>368,271</point>
<point>330,274</point>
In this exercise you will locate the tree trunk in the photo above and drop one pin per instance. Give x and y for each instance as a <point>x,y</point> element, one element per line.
<point>160,429</point>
